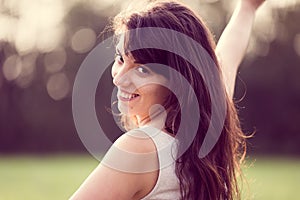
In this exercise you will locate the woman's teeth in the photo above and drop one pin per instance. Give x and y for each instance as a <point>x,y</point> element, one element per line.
<point>127,95</point>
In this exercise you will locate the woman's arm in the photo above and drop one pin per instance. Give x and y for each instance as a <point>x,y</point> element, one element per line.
<point>234,40</point>
<point>110,181</point>
<point>105,183</point>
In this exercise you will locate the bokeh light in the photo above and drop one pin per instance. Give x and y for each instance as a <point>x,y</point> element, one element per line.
<point>297,44</point>
<point>25,36</point>
<point>265,19</point>
<point>83,40</point>
<point>50,39</point>
<point>58,86</point>
<point>32,24</point>
<point>55,60</point>
<point>7,30</point>
<point>28,70</point>
<point>12,67</point>
<point>24,81</point>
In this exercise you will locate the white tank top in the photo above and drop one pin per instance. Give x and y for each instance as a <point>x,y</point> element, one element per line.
<point>167,184</point>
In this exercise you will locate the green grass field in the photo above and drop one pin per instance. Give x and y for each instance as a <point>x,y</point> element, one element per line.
<point>57,177</point>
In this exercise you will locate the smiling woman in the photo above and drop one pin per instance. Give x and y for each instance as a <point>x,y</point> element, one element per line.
<point>133,101</point>
<point>159,157</point>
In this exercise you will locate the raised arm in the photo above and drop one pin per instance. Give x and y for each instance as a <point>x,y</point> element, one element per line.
<point>234,40</point>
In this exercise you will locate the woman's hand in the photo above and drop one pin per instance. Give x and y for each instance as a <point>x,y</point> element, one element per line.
<point>254,3</point>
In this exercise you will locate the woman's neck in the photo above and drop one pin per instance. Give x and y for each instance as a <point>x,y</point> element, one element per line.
<point>156,118</point>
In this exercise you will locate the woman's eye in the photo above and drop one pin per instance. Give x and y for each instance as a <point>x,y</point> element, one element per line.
<point>143,70</point>
<point>119,58</point>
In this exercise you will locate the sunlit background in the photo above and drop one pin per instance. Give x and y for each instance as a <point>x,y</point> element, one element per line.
<point>42,44</point>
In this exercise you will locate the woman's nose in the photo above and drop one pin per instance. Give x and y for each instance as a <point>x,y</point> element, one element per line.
<point>121,77</point>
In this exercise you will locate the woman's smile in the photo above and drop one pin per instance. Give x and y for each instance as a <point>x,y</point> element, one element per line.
<point>127,96</point>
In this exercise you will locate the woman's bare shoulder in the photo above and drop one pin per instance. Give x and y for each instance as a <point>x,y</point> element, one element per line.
<point>127,171</point>
<point>135,141</point>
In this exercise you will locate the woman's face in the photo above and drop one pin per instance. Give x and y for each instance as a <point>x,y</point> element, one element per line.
<point>139,87</point>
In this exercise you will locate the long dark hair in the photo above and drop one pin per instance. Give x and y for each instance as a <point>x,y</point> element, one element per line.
<point>214,176</point>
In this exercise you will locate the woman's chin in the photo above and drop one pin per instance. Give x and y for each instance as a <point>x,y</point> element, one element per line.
<point>124,109</point>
